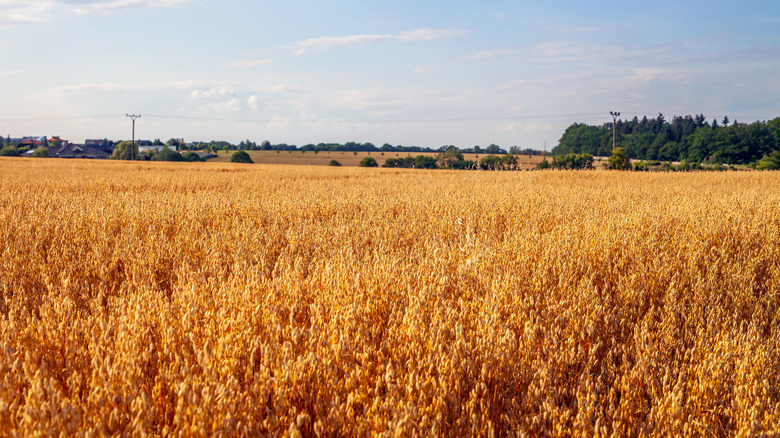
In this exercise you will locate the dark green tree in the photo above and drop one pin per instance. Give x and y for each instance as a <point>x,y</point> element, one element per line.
<point>449,159</point>
<point>769,162</point>
<point>368,162</point>
<point>424,162</point>
<point>9,151</point>
<point>125,150</point>
<point>167,154</point>
<point>241,157</point>
<point>191,156</point>
<point>494,149</point>
<point>619,160</point>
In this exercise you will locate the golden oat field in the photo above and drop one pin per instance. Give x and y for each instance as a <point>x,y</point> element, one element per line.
<point>248,300</point>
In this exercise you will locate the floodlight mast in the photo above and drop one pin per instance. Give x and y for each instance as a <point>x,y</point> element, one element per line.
<point>614,115</point>
<point>132,146</point>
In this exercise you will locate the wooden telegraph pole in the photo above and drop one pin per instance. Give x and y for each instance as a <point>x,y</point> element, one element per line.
<point>132,146</point>
<point>614,115</point>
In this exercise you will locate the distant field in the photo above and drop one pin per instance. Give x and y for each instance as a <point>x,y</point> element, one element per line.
<point>348,159</point>
<point>220,299</point>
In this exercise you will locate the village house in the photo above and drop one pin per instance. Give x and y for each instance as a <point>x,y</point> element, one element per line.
<point>78,151</point>
<point>148,146</point>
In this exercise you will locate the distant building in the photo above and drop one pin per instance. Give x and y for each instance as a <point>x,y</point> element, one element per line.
<point>32,142</point>
<point>148,146</point>
<point>103,145</point>
<point>78,151</point>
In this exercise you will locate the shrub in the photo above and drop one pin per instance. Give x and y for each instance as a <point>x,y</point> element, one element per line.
<point>41,152</point>
<point>125,151</point>
<point>450,158</point>
<point>769,162</point>
<point>407,162</point>
<point>191,156</point>
<point>334,163</point>
<point>425,162</point>
<point>9,151</point>
<point>241,157</point>
<point>368,162</point>
<point>618,160</point>
<point>167,154</point>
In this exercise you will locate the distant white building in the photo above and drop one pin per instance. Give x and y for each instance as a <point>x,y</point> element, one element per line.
<point>147,146</point>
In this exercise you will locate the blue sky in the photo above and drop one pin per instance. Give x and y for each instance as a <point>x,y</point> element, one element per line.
<point>428,73</point>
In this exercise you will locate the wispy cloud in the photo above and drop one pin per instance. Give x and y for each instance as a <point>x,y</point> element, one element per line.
<point>215,92</point>
<point>329,43</point>
<point>233,105</point>
<point>423,70</point>
<point>525,127</point>
<point>572,51</point>
<point>90,6</point>
<point>578,29</point>
<point>488,54</point>
<point>253,102</point>
<point>135,86</point>
<point>22,12</point>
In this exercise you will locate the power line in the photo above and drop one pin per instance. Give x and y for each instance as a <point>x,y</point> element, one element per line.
<point>319,121</point>
<point>379,121</point>
<point>46,119</point>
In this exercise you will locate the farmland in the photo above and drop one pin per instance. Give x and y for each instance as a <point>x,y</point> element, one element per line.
<point>350,159</point>
<point>210,298</point>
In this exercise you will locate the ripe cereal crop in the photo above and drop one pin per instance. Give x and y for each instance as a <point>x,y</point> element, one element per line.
<point>238,300</point>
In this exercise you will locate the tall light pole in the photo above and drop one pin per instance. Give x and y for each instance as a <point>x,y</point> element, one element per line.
<point>132,146</point>
<point>614,115</point>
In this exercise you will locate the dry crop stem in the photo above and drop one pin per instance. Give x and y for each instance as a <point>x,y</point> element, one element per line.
<point>267,300</point>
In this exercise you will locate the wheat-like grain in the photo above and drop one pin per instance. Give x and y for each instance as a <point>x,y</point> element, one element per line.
<point>209,299</point>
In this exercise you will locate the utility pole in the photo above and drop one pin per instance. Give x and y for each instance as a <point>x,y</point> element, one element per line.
<point>614,115</point>
<point>132,146</point>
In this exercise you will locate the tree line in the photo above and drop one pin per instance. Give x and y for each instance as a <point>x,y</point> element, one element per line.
<point>452,158</point>
<point>349,146</point>
<point>688,138</point>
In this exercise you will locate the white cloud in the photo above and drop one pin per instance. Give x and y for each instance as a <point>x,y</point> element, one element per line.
<point>431,34</point>
<point>213,93</point>
<point>488,54</point>
<point>90,6</point>
<point>329,43</point>
<point>648,74</point>
<point>133,86</point>
<point>280,122</point>
<point>573,51</point>
<point>525,127</point>
<point>578,29</point>
<point>253,102</point>
<point>21,12</point>
<point>423,70</point>
<point>233,105</point>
